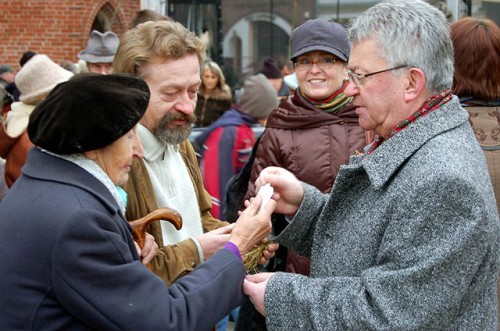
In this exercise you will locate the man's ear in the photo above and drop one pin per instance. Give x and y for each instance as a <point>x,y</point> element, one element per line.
<point>415,84</point>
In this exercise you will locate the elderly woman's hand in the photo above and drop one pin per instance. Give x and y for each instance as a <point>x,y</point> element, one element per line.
<point>253,225</point>
<point>149,251</point>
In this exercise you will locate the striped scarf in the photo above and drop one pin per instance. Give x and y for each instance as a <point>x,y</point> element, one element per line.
<point>333,104</point>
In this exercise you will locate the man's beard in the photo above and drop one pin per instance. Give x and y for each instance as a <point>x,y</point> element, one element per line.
<point>178,134</point>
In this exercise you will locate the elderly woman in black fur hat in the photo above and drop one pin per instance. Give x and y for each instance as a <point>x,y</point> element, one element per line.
<point>69,258</point>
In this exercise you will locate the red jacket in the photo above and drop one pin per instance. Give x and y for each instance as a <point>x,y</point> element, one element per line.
<point>226,146</point>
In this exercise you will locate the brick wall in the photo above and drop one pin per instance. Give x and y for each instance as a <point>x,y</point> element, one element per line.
<point>58,28</point>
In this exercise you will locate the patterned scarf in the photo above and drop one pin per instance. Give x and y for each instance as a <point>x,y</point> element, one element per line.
<point>333,104</point>
<point>429,105</point>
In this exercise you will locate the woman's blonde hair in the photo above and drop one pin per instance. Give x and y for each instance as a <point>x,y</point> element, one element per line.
<point>217,71</point>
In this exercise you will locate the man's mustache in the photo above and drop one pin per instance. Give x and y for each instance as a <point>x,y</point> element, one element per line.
<point>189,118</point>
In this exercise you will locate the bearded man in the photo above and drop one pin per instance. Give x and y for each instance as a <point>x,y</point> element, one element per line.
<point>167,56</point>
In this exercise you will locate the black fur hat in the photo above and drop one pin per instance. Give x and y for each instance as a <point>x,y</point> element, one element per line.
<point>88,112</point>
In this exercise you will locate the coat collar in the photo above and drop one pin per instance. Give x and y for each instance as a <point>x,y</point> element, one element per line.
<point>46,167</point>
<point>390,155</point>
<point>295,112</point>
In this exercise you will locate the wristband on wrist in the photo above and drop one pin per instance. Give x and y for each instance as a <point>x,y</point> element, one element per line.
<point>233,248</point>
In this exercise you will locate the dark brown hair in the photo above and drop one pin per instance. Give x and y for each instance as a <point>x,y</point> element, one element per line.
<point>476,43</point>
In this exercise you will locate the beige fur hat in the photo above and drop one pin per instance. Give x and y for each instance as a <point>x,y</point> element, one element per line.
<point>38,77</point>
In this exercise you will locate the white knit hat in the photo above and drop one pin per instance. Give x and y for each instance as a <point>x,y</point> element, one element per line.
<point>38,77</point>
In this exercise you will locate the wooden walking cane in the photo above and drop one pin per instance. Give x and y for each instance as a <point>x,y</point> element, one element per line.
<point>140,225</point>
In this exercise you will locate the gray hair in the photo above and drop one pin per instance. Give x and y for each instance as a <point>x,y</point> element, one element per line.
<point>410,32</point>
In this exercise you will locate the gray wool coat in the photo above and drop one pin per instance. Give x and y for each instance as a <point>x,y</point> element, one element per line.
<point>407,240</point>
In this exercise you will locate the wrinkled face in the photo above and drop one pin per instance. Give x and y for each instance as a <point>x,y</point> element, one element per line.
<point>100,68</point>
<point>209,79</point>
<point>173,85</point>
<point>379,98</point>
<point>116,158</point>
<point>318,83</point>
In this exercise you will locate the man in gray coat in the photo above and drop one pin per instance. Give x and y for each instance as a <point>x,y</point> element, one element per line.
<point>409,237</point>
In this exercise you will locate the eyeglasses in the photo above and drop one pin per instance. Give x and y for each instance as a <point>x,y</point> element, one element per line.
<point>357,78</point>
<point>322,63</point>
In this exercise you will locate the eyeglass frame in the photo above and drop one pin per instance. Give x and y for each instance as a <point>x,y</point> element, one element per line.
<point>317,63</point>
<point>356,78</point>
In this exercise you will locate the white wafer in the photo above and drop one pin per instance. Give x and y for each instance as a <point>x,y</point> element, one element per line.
<point>266,192</point>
